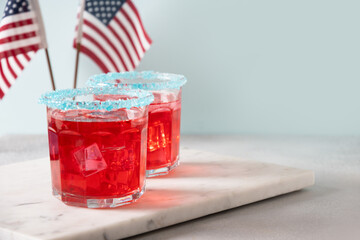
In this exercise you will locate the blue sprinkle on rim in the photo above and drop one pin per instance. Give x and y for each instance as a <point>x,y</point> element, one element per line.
<point>146,80</point>
<point>66,99</point>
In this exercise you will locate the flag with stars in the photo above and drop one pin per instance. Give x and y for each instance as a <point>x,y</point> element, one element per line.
<point>21,35</point>
<point>111,33</point>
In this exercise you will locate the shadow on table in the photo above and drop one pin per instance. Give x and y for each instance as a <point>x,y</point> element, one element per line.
<point>240,220</point>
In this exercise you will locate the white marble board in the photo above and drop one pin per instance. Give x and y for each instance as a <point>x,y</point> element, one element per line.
<point>203,184</point>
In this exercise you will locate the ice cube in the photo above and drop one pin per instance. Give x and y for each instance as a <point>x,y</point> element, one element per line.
<point>106,115</point>
<point>124,156</point>
<point>130,113</point>
<point>123,159</point>
<point>90,160</point>
<point>70,114</point>
<point>165,96</point>
<point>94,159</point>
<point>157,96</point>
<point>126,114</point>
<point>156,136</point>
<point>127,161</point>
<point>139,123</point>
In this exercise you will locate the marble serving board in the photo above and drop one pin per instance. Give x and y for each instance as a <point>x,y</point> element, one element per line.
<point>203,184</point>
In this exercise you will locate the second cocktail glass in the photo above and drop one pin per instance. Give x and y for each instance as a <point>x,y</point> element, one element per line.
<point>164,113</point>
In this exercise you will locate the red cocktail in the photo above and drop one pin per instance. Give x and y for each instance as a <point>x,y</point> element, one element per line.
<point>163,134</point>
<point>98,158</point>
<point>164,114</point>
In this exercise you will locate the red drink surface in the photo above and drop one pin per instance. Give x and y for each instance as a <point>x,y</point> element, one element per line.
<point>163,134</point>
<point>96,158</point>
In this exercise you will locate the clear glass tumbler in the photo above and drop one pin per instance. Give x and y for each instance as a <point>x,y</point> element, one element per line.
<point>97,148</point>
<point>164,113</point>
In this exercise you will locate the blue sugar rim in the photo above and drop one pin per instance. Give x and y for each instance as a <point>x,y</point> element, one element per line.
<point>145,80</point>
<point>63,99</point>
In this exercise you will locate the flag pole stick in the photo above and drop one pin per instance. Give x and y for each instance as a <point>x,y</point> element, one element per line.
<point>77,63</point>
<point>78,40</point>
<point>50,69</point>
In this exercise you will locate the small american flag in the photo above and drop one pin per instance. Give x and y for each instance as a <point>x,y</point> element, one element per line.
<point>111,33</point>
<point>21,35</point>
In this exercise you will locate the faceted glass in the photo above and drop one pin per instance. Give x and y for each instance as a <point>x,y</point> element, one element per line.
<point>98,156</point>
<point>164,113</point>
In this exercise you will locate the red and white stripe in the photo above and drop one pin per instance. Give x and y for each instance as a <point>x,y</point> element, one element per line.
<point>10,69</point>
<point>19,41</point>
<point>117,47</point>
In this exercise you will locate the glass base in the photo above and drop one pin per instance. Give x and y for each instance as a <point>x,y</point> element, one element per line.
<point>161,171</point>
<point>83,201</point>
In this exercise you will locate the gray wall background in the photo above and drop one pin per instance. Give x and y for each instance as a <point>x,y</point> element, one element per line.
<point>253,67</point>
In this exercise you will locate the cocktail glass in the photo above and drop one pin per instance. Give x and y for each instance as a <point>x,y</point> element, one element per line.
<point>97,148</point>
<point>164,113</point>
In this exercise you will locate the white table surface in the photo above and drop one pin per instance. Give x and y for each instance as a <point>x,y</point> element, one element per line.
<point>328,210</point>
